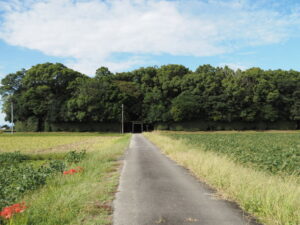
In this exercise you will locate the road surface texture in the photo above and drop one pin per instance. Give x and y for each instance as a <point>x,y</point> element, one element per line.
<point>154,190</point>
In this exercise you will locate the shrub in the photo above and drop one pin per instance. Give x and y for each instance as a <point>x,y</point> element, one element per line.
<point>57,165</point>
<point>12,157</point>
<point>75,157</point>
<point>83,127</point>
<point>161,126</point>
<point>30,125</point>
<point>283,125</point>
<point>16,177</point>
<point>234,125</point>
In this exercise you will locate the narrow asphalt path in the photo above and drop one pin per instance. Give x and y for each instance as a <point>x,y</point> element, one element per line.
<point>154,190</point>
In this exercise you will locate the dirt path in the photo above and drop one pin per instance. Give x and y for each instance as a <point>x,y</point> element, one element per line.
<point>154,190</point>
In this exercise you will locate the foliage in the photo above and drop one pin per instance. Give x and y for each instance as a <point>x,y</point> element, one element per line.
<point>28,125</point>
<point>16,177</point>
<point>85,126</point>
<point>277,153</point>
<point>12,157</point>
<point>198,125</point>
<point>183,107</point>
<point>75,157</point>
<point>48,94</point>
<point>40,92</point>
<point>57,165</point>
<point>9,211</point>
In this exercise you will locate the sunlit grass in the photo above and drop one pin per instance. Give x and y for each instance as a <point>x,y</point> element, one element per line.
<point>32,144</point>
<point>37,134</point>
<point>48,142</point>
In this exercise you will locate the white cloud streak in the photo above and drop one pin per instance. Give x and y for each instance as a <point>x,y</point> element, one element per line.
<point>235,66</point>
<point>91,31</point>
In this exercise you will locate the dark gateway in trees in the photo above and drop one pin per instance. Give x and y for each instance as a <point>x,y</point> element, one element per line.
<point>52,97</point>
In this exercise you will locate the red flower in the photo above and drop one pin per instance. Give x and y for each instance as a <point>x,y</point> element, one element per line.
<point>6,213</point>
<point>9,211</point>
<point>72,171</point>
<point>18,208</point>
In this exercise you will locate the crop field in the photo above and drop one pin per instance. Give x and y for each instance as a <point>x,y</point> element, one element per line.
<point>46,142</point>
<point>257,170</point>
<point>76,172</point>
<point>278,153</point>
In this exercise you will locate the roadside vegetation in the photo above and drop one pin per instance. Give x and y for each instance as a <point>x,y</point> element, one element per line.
<point>277,153</point>
<point>239,166</point>
<point>61,186</point>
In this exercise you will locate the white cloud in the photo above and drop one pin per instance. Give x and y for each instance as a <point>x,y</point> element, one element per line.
<point>91,31</point>
<point>235,66</point>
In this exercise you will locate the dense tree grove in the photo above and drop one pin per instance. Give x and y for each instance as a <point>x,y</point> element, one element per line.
<point>52,93</point>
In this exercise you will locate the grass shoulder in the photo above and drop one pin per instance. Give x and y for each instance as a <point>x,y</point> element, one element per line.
<point>81,198</point>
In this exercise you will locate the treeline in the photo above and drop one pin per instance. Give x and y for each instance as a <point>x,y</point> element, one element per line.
<point>49,95</point>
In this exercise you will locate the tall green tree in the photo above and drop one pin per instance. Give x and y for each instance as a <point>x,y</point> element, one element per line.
<point>53,93</point>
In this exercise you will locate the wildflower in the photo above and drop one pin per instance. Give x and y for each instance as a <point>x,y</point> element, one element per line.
<point>9,211</point>
<point>6,213</point>
<point>18,208</point>
<point>72,171</point>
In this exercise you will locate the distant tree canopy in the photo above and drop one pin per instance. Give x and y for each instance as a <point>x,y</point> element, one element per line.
<point>53,93</point>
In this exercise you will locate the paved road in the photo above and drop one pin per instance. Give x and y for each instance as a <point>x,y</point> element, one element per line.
<point>154,190</point>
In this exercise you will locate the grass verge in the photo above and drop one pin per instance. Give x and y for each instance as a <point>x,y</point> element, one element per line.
<point>273,200</point>
<point>82,198</point>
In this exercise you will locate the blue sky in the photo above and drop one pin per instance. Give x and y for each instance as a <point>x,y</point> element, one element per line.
<point>127,34</point>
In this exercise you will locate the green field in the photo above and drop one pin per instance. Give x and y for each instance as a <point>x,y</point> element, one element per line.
<point>31,170</point>
<point>278,153</point>
<point>257,170</point>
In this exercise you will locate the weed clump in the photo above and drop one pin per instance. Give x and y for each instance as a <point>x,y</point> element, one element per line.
<point>75,157</point>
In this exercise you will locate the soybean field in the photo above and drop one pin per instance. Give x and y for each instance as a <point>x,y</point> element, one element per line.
<point>277,153</point>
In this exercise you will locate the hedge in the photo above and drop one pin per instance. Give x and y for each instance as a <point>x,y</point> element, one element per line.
<point>215,126</point>
<point>33,126</point>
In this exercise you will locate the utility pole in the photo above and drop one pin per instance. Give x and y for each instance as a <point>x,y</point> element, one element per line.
<point>122,118</point>
<point>12,117</point>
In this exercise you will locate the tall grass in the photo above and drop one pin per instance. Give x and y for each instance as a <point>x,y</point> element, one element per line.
<point>82,198</point>
<point>273,200</point>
